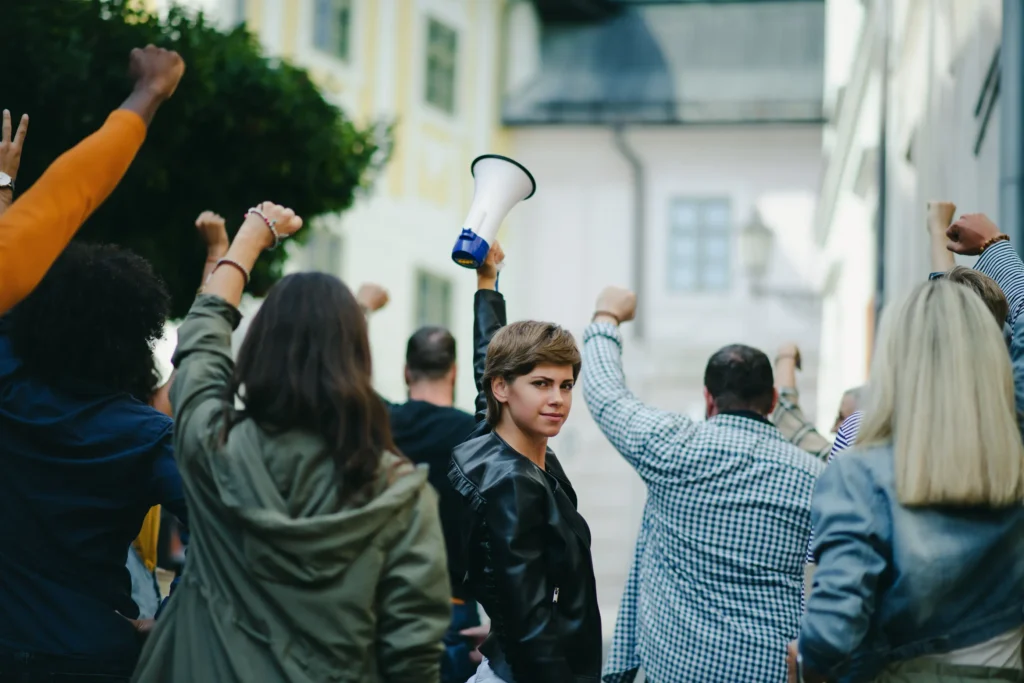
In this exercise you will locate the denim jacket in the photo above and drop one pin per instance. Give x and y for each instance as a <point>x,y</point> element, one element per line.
<point>896,583</point>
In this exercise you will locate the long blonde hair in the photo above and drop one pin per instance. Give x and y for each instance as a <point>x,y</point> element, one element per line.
<point>941,392</point>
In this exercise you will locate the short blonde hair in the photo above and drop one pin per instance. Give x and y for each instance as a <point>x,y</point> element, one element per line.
<point>941,392</point>
<point>518,348</point>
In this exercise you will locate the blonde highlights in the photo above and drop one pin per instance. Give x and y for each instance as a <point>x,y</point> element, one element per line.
<point>942,393</point>
<point>518,348</point>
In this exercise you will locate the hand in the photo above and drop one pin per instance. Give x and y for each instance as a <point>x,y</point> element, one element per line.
<point>619,302</point>
<point>10,149</point>
<point>791,665</point>
<point>372,297</point>
<point>156,70</point>
<point>477,634</point>
<point>969,233</point>
<point>286,224</point>
<point>488,272</point>
<point>215,236</point>
<point>790,351</point>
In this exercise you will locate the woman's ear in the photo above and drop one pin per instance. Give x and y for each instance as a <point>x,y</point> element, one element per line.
<point>500,389</point>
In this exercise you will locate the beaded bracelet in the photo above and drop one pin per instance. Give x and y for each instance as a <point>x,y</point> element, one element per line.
<point>234,264</point>
<point>255,211</point>
<point>993,240</point>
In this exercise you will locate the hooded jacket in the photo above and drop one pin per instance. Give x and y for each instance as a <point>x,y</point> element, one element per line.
<point>284,581</point>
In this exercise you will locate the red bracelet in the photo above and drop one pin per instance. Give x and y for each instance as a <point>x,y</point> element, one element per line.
<point>233,264</point>
<point>990,242</point>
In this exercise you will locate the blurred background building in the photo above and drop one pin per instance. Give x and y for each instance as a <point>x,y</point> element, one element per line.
<point>923,101</point>
<point>677,151</point>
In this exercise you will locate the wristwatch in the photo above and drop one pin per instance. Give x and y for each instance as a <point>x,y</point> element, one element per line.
<point>6,182</point>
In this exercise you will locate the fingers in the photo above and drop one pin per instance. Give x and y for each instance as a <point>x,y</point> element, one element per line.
<point>5,131</point>
<point>19,136</point>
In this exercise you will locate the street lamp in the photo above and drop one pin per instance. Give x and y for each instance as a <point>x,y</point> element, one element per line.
<point>757,241</point>
<point>756,245</point>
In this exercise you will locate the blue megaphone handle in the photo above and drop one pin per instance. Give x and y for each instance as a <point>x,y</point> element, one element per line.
<point>470,250</point>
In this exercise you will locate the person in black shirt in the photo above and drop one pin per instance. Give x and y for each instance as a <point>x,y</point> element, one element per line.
<point>426,428</point>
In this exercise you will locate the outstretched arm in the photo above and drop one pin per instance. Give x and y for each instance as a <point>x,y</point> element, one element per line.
<point>37,227</point>
<point>632,427</point>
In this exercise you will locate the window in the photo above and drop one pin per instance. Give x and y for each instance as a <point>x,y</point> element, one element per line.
<point>323,252</point>
<point>433,300</point>
<point>332,27</point>
<point>442,52</point>
<point>700,250</point>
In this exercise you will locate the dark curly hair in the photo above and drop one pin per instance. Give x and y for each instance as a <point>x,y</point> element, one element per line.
<point>93,319</point>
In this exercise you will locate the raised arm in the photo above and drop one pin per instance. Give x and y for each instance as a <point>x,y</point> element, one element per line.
<point>788,416</point>
<point>632,427</point>
<point>488,318</point>
<point>975,235</point>
<point>202,360</point>
<point>215,235</point>
<point>10,157</point>
<point>40,223</point>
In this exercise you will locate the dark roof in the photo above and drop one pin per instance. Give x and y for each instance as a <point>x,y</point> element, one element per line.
<point>679,63</point>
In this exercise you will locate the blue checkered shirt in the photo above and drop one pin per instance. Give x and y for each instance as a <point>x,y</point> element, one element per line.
<point>714,590</point>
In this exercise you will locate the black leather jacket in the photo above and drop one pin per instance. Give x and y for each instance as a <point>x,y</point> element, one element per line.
<point>528,548</point>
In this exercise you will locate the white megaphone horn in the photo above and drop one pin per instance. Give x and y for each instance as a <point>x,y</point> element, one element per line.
<point>499,184</point>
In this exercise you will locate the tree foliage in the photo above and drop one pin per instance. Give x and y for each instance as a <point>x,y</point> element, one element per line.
<point>241,128</point>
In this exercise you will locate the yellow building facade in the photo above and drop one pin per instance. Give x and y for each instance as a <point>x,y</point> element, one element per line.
<point>430,68</point>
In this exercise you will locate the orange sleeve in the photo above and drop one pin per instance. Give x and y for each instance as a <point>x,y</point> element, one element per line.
<point>41,222</point>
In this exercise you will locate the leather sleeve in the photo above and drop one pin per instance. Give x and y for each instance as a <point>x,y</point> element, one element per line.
<point>488,318</point>
<point>514,532</point>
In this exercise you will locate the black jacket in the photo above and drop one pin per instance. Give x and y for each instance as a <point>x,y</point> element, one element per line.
<point>528,548</point>
<point>427,434</point>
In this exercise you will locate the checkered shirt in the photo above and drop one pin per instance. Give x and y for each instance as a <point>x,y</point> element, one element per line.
<point>714,590</point>
<point>796,428</point>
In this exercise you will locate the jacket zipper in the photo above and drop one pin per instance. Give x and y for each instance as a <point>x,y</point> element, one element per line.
<point>554,598</point>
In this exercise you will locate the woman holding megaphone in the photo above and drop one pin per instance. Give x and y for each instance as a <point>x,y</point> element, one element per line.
<point>528,547</point>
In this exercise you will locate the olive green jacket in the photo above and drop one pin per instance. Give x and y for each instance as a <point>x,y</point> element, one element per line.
<point>283,582</point>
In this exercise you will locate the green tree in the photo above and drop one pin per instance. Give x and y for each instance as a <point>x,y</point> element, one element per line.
<point>241,128</point>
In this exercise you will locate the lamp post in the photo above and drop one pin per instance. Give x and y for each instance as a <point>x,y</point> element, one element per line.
<point>757,241</point>
<point>756,246</point>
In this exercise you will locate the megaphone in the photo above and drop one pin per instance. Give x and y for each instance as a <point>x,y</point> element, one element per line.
<point>500,183</point>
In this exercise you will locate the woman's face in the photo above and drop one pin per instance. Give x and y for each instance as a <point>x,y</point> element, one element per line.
<point>538,402</point>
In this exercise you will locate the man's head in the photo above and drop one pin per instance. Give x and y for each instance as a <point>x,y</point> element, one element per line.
<point>430,362</point>
<point>985,287</point>
<point>739,377</point>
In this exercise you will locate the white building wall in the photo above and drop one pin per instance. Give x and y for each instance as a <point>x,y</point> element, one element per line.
<point>939,56</point>
<point>575,236</point>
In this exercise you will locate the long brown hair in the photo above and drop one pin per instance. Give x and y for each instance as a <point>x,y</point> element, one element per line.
<point>305,364</point>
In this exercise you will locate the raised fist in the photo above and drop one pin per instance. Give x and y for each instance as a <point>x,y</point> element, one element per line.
<point>284,220</point>
<point>618,302</point>
<point>211,228</point>
<point>492,264</point>
<point>156,70</point>
<point>970,233</point>
<point>372,297</point>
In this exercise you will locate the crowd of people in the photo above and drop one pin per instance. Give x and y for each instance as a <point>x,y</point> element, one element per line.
<point>334,536</point>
